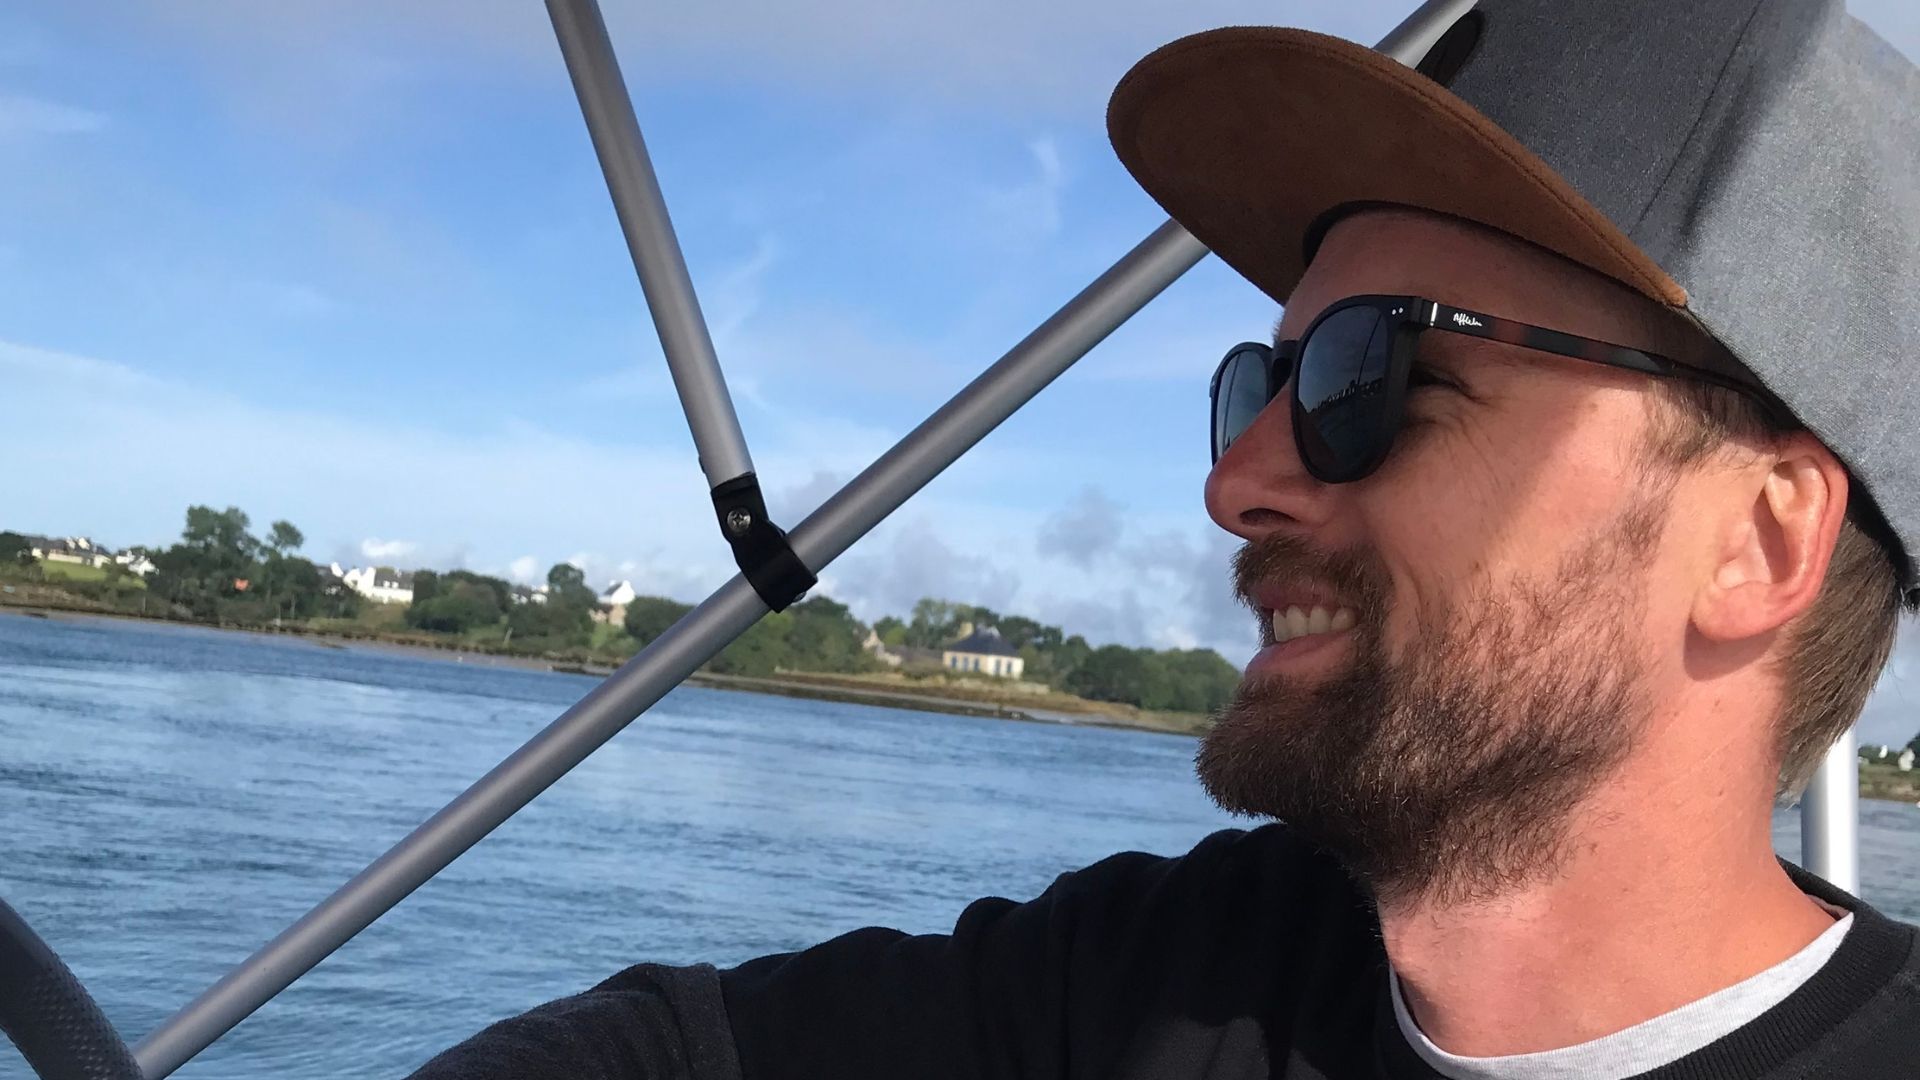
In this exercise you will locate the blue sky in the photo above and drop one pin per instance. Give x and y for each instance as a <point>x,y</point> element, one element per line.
<point>353,264</point>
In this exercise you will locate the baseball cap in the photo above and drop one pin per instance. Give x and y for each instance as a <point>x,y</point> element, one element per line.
<point>1753,163</point>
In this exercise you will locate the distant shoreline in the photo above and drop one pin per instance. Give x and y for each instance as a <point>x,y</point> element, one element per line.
<point>824,687</point>
<point>1880,782</point>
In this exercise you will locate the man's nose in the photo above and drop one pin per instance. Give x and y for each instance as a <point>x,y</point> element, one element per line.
<point>1260,484</point>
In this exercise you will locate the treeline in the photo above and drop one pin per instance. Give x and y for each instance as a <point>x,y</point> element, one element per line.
<point>220,572</point>
<point>1871,752</point>
<point>816,634</point>
<point>1183,680</point>
<point>484,609</point>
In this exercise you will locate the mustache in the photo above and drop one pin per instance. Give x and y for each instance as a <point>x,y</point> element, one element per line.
<point>1283,559</point>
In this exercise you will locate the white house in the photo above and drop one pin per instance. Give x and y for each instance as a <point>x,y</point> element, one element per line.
<point>68,549</point>
<point>1905,761</point>
<point>381,584</point>
<point>613,601</point>
<point>982,651</point>
<point>135,563</point>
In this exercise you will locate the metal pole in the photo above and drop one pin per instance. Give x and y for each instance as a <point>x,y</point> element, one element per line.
<point>1409,42</point>
<point>1830,816</point>
<point>650,239</point>
<point>696,638</point>
<point>997,393</point>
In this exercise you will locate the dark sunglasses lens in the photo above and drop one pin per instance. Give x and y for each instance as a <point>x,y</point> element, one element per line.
<point>1342,392</point>
<point>1245,386</point>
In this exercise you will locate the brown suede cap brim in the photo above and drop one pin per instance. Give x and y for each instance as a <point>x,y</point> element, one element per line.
<point>1249,136</point>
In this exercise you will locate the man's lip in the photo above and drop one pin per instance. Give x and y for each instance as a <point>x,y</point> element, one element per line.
<point>1281,654</point>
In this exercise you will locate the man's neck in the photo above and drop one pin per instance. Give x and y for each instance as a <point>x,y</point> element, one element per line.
<point>1661,905</point>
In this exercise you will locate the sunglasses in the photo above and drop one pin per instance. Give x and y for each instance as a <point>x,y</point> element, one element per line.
<point>1349,375</point>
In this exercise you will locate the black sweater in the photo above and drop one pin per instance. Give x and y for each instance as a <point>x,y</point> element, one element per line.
<point>1250,956</point>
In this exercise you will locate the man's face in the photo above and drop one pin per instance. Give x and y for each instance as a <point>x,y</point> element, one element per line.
<point>1498,585</point>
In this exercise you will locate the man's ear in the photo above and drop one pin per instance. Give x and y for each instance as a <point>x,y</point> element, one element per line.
<point>1773,555</point>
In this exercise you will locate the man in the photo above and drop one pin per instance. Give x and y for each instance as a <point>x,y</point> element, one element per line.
<point>1577,505</point>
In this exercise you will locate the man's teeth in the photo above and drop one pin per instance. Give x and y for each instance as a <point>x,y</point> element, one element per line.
<point>1295,622</point>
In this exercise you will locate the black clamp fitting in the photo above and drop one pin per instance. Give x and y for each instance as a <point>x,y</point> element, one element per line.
<point>759,546</point>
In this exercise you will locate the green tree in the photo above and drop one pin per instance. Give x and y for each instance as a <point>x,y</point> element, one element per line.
<point>567,586</point>
<point>825,636</point>
<point>1111,673</point>
<point>1018,630</point>
<point>1067,659</point>
<point>180,580</point>
<point>649,616</point>
<point>220,534</point>
<point>759,651</point>
<point>299,590</point>
<point>501,590</point>
<point>458,608</point>
<point>14,548</point>
<point>892,631</point>
<point>287,584</point>
<point>283,538</point>
<point>935,622</point>
<point>426,585</point>
<point>550,627</point>
<point>215,554</point>
<point>275,580</point>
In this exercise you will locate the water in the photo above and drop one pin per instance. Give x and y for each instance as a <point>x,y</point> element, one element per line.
<point>174,797</point>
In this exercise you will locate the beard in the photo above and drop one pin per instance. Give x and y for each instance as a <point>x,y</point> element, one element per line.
<point>1449,774</point>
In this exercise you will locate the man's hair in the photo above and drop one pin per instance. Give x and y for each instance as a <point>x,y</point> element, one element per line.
<point>1833,653</point>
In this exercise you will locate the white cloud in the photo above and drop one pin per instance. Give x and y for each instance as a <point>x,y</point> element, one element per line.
<point>22,115</point>
<point>658,573</point>
<point>790,505</point>
<point>158,446</point>
<point>1168,589</point>
<point>735,293</point>
<point>729,299</point>
<point>490,499</point>
<point>373,548</point>
<point>1030,211</point>
<point>889,572</point>
<point>1083,530</point>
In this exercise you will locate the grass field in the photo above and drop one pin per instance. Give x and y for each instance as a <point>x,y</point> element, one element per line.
<point>71,571</point>
<point>1879,781</point>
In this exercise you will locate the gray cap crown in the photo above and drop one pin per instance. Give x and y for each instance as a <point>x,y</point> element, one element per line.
<point>1766,153</point>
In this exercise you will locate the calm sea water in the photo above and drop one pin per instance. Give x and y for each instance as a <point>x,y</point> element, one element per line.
<point>173,797</point>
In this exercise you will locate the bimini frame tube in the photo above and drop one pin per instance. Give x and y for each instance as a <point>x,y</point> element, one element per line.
<point>1001,390</point>
<point>1830,816</point>
<point>615,131</point>
<point>662,665</point>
